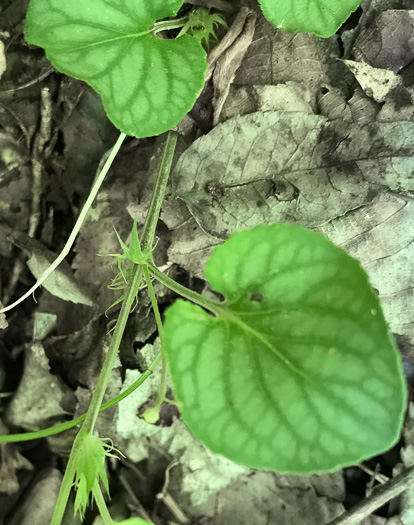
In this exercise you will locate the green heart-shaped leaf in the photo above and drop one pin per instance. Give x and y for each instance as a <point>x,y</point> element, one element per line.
<point>321,17</point>
<point>147,84</point>
<point>298,372</point>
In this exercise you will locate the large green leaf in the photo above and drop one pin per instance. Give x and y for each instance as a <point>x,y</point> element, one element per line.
<point>147,83</point>
<point>321,17</point>
<point>299,372</point>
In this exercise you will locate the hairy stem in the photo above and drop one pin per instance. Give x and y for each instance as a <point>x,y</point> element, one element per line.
<point>72,237</point>
<point>151,220</point>
<point>380,497</point>
<point>130,296</point>
<point>104,376</point>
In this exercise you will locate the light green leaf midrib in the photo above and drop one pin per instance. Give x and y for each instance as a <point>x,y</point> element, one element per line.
<point>230,317</point>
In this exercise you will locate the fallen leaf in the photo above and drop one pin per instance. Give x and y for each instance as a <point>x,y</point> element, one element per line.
<point>11,461</point>
<point>290,96</point>
<point>230,53</point>
<point>380,234</point>
<point>376,83</point>
<point>88,135</point>
<point>3,322</point>
<point>359,109</point>
<point>275,58</point>
<point>43,325</point>
<point>123,187</point>
<point>273,167</point>
<point>399,105</point>
<point>386,41</point>
<point>40,396</point>
<point>350,182</point>
<point>61,283</point>
<point>259,494</point>
<point>38,504</point>
<point>3,64</point>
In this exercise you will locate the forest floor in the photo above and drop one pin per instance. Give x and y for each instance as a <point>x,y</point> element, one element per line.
<point>54,136</point>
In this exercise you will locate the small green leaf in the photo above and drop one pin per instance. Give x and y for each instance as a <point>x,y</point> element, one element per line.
<point>321,17</point>
<point>298,373</point>
<point>147,83</point>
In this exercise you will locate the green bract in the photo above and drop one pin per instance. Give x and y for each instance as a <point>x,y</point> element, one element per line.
<point>147,83</point>
<point>298,371</point>
<point>90,467</point>
<point>321,17</point>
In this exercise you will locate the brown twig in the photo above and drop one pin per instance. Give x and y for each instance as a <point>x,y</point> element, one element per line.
<point>380,497</point>
<point>381,478</point>
<point>36,80</point>
<point>41,139</point>
<point>39,144</point>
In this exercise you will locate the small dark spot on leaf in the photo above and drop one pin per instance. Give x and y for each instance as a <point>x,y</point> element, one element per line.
<point>217,190</point>
<point>257,297</point>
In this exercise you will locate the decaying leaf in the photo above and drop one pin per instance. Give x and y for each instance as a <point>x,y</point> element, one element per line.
<point>290,96</point>
<point>271,502</point>
<point>272,167</point>
<point>275,58</point>
<point>190,246</point>
<point>40,396</point>
<point>377,83</point>
<point>380,234</point>
<point>3,322</point>
<point>387,40</point>
<point>129,184</point>
<point>360,109</point>
<point>226,58</point>
<point>3,64</point>
<point>87,133</point>
<point>11,462</point>
<point>36,507</point>
<point>61,282</point>
<point>305,170</point>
